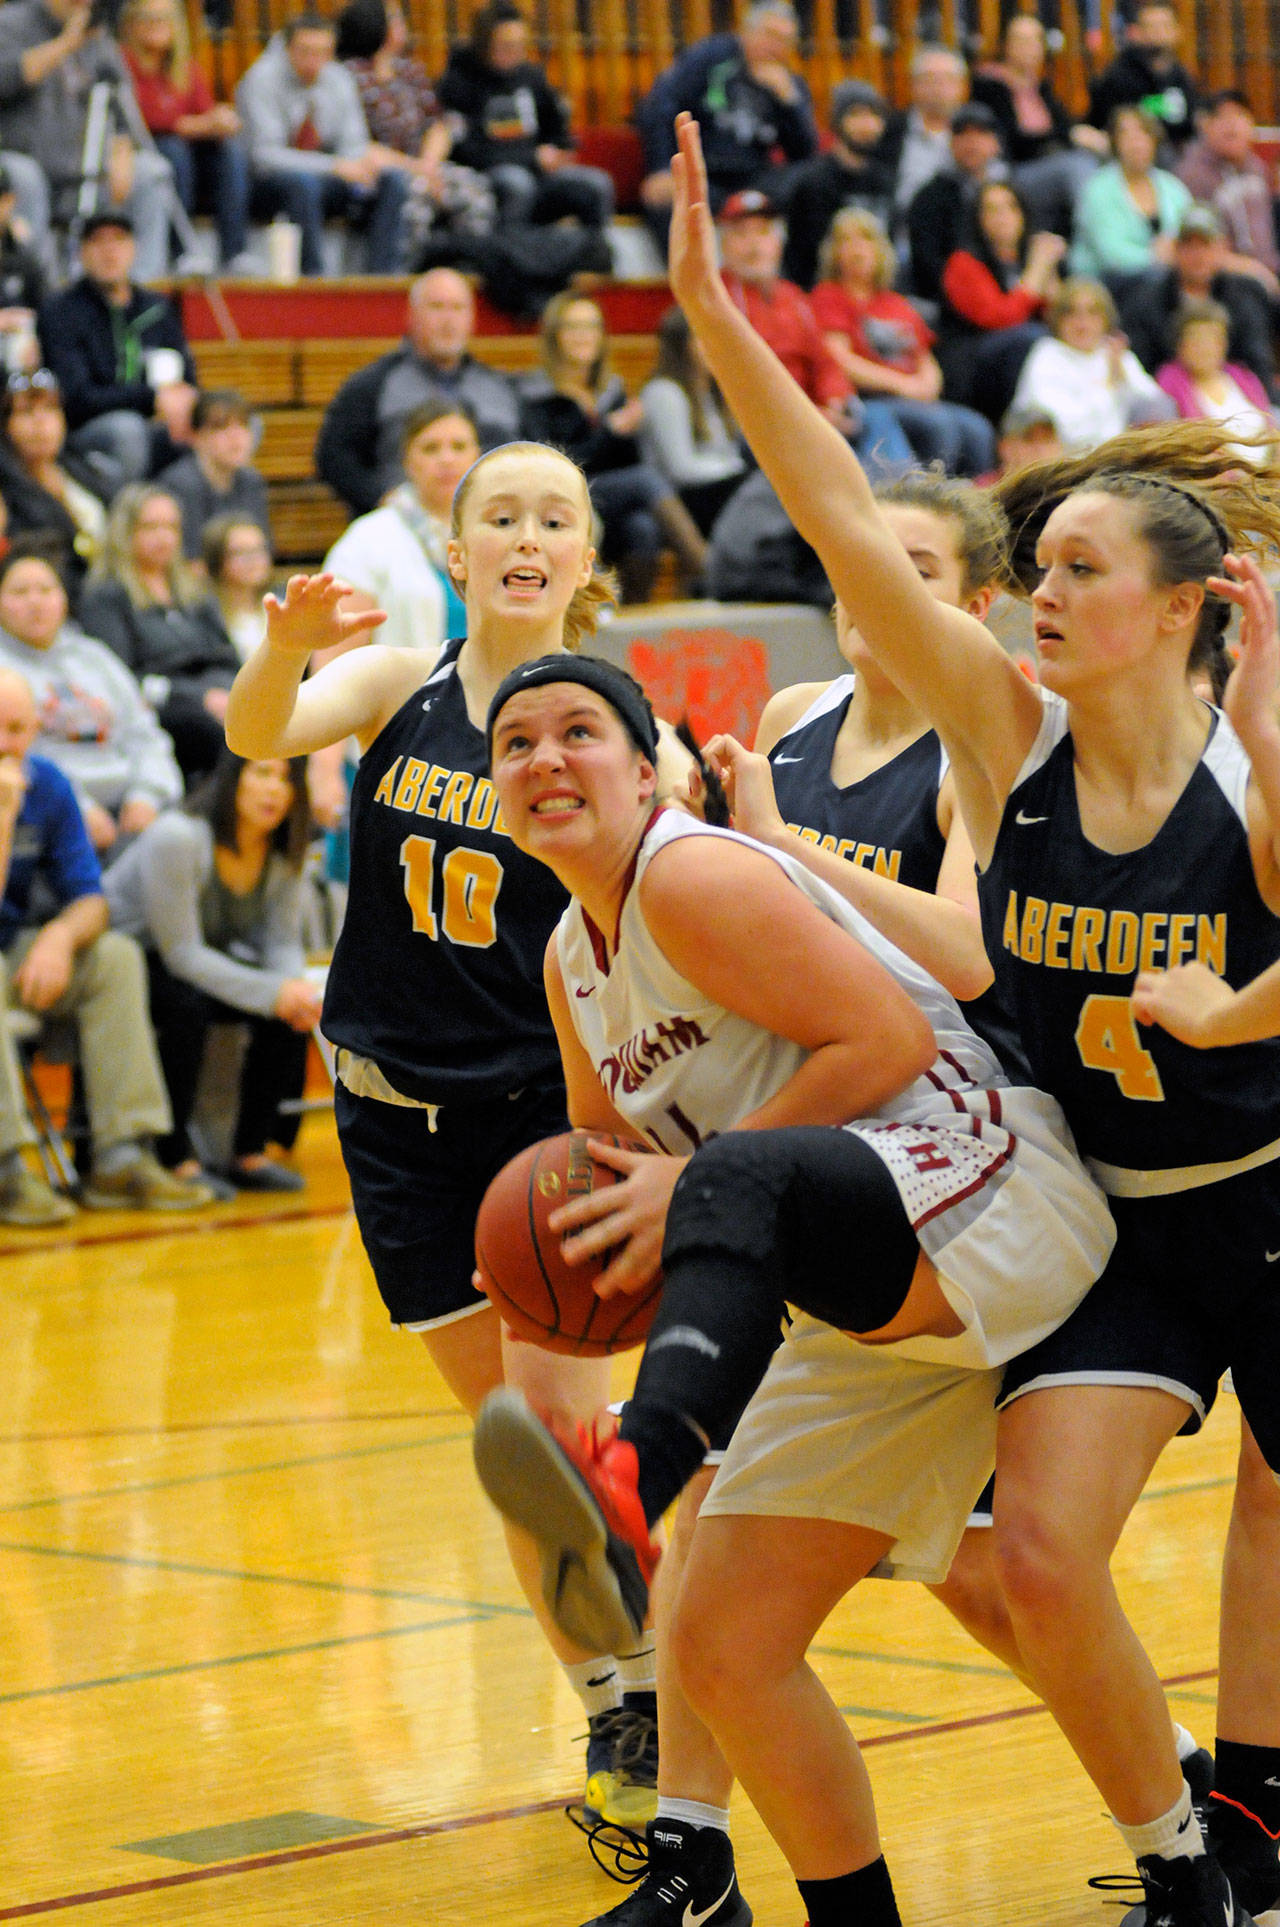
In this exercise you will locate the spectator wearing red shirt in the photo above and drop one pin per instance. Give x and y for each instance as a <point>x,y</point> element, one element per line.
<point>195,133</point>
<point>752,236</point>
<point>885,347</point>
<point>994,289</point>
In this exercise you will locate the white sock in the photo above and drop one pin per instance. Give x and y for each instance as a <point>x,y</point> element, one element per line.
<point>1186,1742</point>
<point>595,1681</point>
<point>638,1671</point>
<point>1174,1836</point>
<point>693,1813</point>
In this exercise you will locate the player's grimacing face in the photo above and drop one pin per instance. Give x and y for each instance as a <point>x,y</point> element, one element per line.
<point>524,545</point>
<point>567,773</point>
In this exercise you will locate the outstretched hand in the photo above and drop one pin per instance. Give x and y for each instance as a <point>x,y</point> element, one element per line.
<point>310,618</point>
<point>748,786</point>
<point>693,262</point>
<point>1250,697</point>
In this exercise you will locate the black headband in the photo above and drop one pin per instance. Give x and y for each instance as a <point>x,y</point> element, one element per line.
<point>1191,495</point>
<point>621,691</point>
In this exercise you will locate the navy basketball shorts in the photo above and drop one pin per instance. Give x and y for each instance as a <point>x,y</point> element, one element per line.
<point>1192,1290</point>
<point>417,1192</point>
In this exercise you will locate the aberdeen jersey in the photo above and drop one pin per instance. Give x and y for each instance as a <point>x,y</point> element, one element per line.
<point>439,982</point>
<point>893,811</point>
<point>1068,926</point>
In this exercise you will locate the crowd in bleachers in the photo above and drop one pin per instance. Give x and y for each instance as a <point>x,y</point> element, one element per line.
<point>951,282</point>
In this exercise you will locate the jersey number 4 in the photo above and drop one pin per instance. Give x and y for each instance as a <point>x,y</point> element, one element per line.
<point>1107,1040</point>
<point>469,885</point>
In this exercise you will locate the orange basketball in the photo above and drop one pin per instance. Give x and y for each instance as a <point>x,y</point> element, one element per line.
<point>521,1268</point>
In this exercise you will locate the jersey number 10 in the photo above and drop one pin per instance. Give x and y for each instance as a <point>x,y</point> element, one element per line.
<point>469,885</point>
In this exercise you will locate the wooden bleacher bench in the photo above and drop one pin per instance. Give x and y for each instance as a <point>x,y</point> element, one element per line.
<point>290,382</point>
<point>323,365</point>
<point>286,452</point>
<point>264,372</point>
<point>306,520</point>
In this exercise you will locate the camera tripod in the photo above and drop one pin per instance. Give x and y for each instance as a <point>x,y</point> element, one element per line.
<point>113,110</point>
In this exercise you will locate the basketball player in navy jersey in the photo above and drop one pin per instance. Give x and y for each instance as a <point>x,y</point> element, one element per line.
<point>849,1456</point>
<point>1118,828</point>
<point>447,1063</point>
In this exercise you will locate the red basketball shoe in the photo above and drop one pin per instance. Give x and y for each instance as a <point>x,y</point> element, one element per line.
<point>574,1491</point>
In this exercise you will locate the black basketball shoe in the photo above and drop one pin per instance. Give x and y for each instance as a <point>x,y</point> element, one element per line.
<point>1186,1893</point>
<point>690,1878</point>
<point>1248,1855</point>
<point>622,1764</point>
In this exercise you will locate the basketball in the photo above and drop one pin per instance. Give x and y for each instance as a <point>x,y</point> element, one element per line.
<point>538,1295</point>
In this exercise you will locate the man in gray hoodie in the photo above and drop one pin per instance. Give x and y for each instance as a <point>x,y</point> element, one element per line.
<point>50,58</point>
<point>310,150</point>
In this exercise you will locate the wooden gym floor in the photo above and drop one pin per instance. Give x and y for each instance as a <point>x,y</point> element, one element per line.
<point>263,1660</point>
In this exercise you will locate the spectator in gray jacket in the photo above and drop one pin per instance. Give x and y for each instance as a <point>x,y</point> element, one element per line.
<point>95,723</point>
<point>358,450</point>
<point>685,434</point>
<point>50,57</point>
<point>213,893</point>
<point>310,150</point>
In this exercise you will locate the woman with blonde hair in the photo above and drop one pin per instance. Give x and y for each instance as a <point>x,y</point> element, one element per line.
<point>1083,374</point>
<point>885,347</point>
<point>447,1064</point>
<point>577,403</point>
<point>197,135</point>
<point>146,603</point>
<point>1109,803</point>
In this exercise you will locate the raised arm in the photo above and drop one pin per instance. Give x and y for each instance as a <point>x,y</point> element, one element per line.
<point>939,930</point>
<point>272,712</point>
<point>940,658</point>
<point>1250,702</point>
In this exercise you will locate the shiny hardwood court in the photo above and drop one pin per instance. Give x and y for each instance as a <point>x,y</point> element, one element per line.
<point>263,1660</point>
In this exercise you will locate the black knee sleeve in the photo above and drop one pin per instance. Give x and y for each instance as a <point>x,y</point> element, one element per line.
<point>811,1204</point>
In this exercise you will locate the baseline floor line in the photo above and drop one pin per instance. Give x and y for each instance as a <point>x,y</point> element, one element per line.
<point>464,1822</point>
<point>260,1862</point>
<point>198,1427</point>
<point>231,1472</point>
<point>961,1725</point>
<point>912,1659</point>
<point>237,1659</point>
<point>186,1228</point>
<point>190,1570</point>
